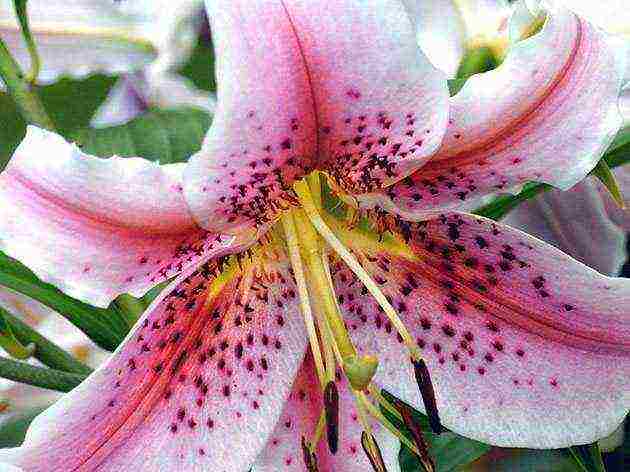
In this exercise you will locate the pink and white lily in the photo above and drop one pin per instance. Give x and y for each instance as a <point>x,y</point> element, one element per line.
<point>277,299</point>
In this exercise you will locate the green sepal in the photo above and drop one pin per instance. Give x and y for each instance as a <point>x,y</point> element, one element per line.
<point>607,178</point>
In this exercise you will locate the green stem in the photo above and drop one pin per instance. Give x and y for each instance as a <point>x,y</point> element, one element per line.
<point>22,91</point>
<point>51,379</point>
<point>104,327</point>
<point>20,11</point>
<point>46,351</point>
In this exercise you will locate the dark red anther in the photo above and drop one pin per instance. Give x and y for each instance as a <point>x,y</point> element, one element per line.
<point>331,408</point>
<point>428,394</point>
<point>310,459</point>
<point>418,438</point>
<point>370,446</point>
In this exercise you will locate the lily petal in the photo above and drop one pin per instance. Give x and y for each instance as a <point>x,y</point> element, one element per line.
<point>80,37</point>
<point>447,28</point>
<point>299,418</point>
<point>526,346</point>
<point>612,16</point>
<point>95,227</point>
<point>577,222</point>
<point>348,91</point>
<point>198,385</point>
<point>546,114</point>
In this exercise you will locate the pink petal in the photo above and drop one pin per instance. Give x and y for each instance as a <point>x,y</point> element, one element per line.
<point>546,114</point>
<point>348,92</point>
<point>526,346</point>
<point>283,451</point>
<point>94,227</point>
<point>198,385</point>
<point>577,222</point>
<point>380,104</point>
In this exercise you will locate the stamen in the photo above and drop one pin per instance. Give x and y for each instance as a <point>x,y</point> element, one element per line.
<point>325,232</point>
<point>305,305</point>
<point>418,438</point>
<point>378,416</point>
<point>428,394</point>
<point>373,452</point>
<point>360,370</point>
<point>310,459</point>
<point>331,407</point>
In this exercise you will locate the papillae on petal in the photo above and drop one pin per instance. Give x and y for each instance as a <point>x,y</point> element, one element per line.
<point>198,385</point>
<point>95,227</point>
<point>546,114</point>
<point>526,346</point>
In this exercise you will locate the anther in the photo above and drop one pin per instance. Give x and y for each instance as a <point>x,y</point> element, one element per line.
<point>373,452</point>
<point>418,438</point>
<point>310,459</point>
<point>360,370</point>
<point>428,394</point>
<point>331,408</point>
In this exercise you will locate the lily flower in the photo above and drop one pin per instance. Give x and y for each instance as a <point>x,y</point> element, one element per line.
<point>270,347</point>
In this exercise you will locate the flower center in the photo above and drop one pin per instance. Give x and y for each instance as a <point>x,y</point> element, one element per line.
<point>310,239</point>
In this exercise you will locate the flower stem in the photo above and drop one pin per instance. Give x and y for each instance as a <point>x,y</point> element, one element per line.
<point>46,351</point>
<point>51,379</point>
<point>22,91</point>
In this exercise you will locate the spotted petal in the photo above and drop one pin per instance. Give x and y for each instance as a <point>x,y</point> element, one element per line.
<point>526,346</point>
<point>348,92</point>
<point>94,227</point>
<point>198,385</point>
<point>299,418</point>
<point>546,114</point>
<point>576,221</point>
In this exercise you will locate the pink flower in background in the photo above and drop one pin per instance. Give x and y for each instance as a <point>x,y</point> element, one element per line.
<point>526,346</point>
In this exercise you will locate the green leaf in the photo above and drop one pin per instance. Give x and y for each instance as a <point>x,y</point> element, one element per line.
<point>587,458</point>
<point>200,66</point>
<point>166,136</point>
<point>449,451</point>
<point>70,104</point>
<point>51,379</point>
<point>13,429</point>
<point>106,327</point>
<point>607,178</point>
